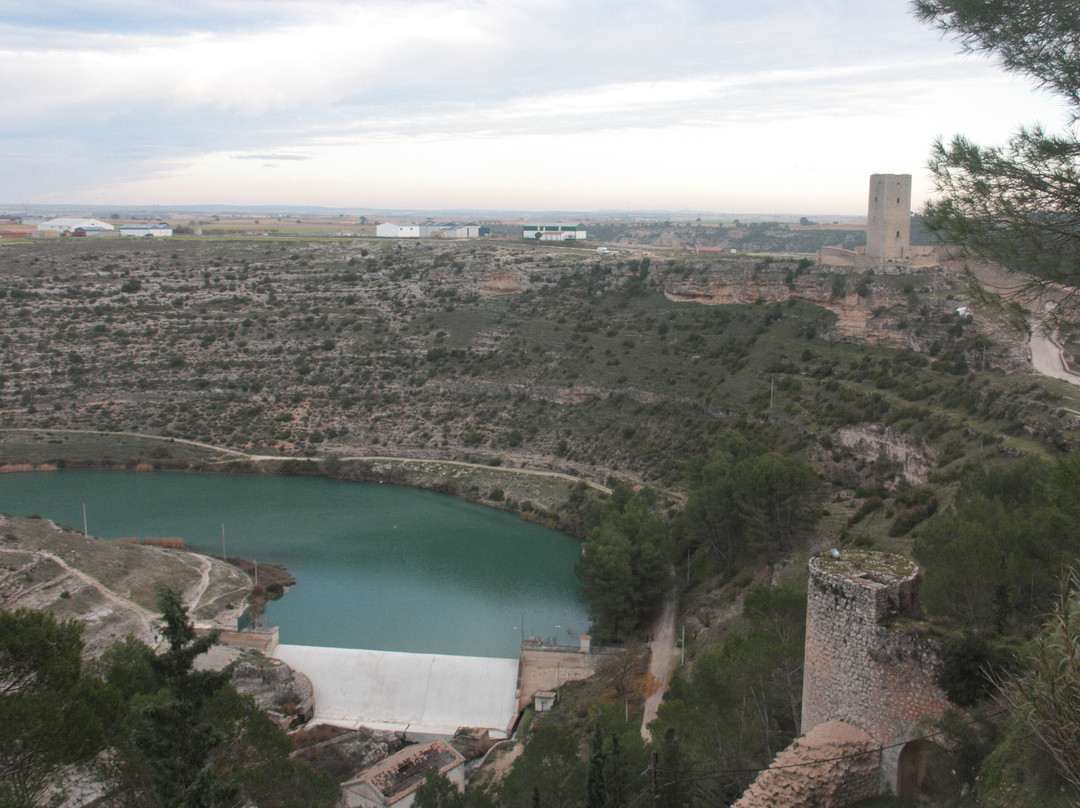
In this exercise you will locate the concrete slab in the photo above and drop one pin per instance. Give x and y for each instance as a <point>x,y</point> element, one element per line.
<point>429,694</point>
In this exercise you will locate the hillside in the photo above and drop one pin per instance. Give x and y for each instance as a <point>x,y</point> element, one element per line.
<point>504,352</point>
<point>467,367</point>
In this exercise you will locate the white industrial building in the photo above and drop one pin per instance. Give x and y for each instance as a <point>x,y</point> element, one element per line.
<point>398,230</point>
<point>427,230</point>
<point>70,225</point>
<point>553,231</point>
<point>145,230</point>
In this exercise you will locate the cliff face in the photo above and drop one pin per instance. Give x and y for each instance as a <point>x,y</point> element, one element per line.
<point>908,309</point>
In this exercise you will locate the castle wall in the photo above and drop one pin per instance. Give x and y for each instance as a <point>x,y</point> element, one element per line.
<point>888,220</point>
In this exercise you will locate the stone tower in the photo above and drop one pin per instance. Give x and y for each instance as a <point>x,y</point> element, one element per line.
<point>863,671</point>
<point>888,218</point>
<point>869,681</point>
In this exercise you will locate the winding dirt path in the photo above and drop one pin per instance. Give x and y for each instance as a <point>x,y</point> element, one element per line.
<point>661,661</point>
<point>144,614</point>
<point>196,597</point>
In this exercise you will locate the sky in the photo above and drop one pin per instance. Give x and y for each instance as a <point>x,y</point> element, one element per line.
<point>770,106</point>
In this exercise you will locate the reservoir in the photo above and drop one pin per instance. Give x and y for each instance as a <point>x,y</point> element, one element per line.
<point>377,567</point>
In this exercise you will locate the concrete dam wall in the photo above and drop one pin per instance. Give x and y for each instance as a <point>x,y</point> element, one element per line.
<point>421,694</point>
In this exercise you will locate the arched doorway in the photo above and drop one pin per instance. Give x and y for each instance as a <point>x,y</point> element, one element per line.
<point>911,767</point>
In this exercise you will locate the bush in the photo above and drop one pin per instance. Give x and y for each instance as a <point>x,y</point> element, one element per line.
<point>966,670</point>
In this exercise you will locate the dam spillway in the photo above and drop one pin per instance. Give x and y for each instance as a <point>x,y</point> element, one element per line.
<point>420,694</point>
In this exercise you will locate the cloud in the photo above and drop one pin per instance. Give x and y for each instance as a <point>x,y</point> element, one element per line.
<point>316,61</point>
<point>275,157</point>
<point>189,96</point>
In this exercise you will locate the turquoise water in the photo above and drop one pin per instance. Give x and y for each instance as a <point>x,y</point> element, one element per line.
<point>376,566</point>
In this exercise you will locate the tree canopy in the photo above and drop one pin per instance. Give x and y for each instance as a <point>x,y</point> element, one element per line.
<point>54,715</point>
<point>167,735</point>
<point>748,502</point>
<point>623,567</point>
<point>1017,205</point>
<point>190,740</point>
<point>991,561</point>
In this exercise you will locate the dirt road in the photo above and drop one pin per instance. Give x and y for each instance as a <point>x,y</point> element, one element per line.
<point>661,661</point>
<point>232,455</point>
<point>1046,358</point>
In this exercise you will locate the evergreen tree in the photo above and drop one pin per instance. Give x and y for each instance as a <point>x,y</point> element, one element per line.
<point>1046,698</point>
<point>54,714</point>
<point>437,792</point>
<point>1016,205</point>
<point>192,741</point>
<point>548,774</point>
<point>616,774</point>
<point>622,566</point>
<point>595,785</point>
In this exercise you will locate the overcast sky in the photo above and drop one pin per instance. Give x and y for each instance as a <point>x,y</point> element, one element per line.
<point>781,106</point>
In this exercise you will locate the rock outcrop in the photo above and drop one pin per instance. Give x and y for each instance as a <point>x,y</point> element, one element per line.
<point>285,693</point>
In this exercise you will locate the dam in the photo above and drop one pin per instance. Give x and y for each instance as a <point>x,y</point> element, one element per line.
<point>420,695</point>
<point>426,696</point>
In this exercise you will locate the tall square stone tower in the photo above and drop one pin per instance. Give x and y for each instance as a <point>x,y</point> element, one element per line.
<point>888,218</point>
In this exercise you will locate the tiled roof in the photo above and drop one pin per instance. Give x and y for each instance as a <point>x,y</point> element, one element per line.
<point>402,772</point>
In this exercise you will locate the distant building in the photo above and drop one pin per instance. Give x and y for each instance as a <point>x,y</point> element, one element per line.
<point>888,218</point>
<point>398,230</point>
<point>553,231</point>
<point>145,230</point>
<point>457,231</point>
<point>427,230</point>
<point>70,225</point>
<point>888,229</point>
<point>394,781</point>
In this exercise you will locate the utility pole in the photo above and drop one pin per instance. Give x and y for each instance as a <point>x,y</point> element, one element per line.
<point>85,535</point>
<point>223,556</point>
<point>655,788</point>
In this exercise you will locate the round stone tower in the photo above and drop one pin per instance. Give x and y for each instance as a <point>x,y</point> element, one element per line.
<point>848,599</point>
<point>860,669</point>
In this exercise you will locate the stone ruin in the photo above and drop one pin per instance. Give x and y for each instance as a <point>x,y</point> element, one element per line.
<point>867,685</point>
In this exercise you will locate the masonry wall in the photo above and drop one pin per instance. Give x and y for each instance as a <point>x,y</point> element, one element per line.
<point>859,670</point>
<point>833,765</point>
<point>545,668</point>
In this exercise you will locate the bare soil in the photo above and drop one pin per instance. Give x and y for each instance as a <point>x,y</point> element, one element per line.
<point>110,586</point>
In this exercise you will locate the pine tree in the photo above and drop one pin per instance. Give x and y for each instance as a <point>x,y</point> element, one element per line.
<point>55,715</point>
<point>1016,205</point>
<point>595,787</point>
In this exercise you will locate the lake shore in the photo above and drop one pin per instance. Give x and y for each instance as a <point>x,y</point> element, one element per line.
<point>551,498</point>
